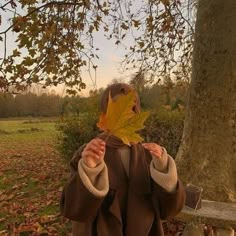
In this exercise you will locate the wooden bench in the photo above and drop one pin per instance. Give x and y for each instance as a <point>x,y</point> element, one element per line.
<point>218,214</point>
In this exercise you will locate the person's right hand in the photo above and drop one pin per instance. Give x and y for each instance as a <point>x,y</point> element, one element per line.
<point>94,152</point>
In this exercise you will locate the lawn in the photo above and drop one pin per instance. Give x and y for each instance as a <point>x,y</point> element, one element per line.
<point>32,174</point>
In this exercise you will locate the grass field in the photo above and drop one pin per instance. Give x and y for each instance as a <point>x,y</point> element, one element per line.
<point>32,175</point>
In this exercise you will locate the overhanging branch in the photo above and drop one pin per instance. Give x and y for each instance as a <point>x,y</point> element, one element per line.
<point>39,8</point>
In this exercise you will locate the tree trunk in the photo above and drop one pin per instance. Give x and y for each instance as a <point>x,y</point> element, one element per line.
<point>207,154</point>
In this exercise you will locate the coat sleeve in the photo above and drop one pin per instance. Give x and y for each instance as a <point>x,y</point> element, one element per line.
<point>168,191</point>
<point>77,202</point>
<point>169,204</point>
<point>163,171</point>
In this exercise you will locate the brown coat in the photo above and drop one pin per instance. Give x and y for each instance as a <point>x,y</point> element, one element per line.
<point>147,202</point>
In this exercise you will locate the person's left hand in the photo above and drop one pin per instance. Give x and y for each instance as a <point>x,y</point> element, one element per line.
<point>154,149</point>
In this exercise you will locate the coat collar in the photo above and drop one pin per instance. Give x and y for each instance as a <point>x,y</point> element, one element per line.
<point>139,174</point>
<point>139,195</point>
<point>139,189</point>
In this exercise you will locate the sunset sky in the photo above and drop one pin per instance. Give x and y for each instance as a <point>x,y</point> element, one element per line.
<point>110,56</point>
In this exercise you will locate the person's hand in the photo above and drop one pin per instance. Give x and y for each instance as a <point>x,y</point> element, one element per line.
<point>154,149</point>
<point>93,153</point>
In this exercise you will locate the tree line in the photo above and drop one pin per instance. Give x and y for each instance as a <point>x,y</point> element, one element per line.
<point>29,104</point>
<point>171,95</point>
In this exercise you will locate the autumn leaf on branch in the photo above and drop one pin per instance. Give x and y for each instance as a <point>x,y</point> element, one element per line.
<point>121,121</point>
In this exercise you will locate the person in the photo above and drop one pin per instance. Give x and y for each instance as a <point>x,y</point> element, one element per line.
<point>121,190</point>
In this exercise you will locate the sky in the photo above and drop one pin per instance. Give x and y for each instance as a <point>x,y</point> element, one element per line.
<point>110,56</point>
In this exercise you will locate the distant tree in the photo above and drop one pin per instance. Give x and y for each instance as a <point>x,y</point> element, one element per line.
<point>22,107</point>
<point>29,104</point>
<point>7,105</point>
<point>138,81</point>
<point>49,105</point>
<point>179,94</point>
<point>116,80</point>
<point>153,97</point>
<point>71,105</point>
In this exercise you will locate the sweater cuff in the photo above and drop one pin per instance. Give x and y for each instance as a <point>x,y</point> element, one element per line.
<point>94,179</point>
<point>161,164</point>
<point>168,179</point>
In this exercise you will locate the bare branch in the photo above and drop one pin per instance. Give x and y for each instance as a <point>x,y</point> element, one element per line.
<point>5,49</point>
<point>186,20</point>
<point>3,6</point>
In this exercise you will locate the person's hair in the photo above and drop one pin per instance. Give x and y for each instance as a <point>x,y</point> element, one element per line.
<point>118,89</point>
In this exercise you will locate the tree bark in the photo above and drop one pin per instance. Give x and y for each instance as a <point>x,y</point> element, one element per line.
<point>207,154</point>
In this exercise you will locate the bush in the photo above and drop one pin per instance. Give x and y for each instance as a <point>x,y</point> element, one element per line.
<point>165,127</point>
<point>76,130</point>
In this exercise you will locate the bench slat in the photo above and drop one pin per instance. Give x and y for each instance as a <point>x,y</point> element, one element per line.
<point>218,214</point>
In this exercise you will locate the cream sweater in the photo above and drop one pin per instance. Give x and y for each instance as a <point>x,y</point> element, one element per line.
<point>163,171</point>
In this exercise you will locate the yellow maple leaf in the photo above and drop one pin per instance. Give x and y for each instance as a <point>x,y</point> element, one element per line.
<point>121,121</point>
